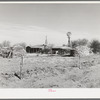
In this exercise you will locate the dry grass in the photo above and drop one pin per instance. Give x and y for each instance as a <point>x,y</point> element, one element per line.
<point>51,72</point>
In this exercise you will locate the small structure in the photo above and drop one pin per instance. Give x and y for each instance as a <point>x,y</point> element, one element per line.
<point>59,50</point>
<point>34,49</point>
<point>63,50</point>
<point>38,48</point>
<point>47,49</point>
<point>55,49</point>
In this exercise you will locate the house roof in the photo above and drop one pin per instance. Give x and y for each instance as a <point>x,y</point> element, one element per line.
<point>63,47</point>
<point>54,47</point>
<point>37,46</point>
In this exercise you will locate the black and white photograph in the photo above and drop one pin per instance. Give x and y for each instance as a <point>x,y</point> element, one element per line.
<point>49,45</point>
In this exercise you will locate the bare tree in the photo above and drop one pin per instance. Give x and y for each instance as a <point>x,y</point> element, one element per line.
<point>5,44</point>
<point>20,52</point>
<point>23,44</point>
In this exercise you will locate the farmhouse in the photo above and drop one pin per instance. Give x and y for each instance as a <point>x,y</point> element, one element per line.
<point>63,50</point>
<point>34,49</point>
<point>60,50</point>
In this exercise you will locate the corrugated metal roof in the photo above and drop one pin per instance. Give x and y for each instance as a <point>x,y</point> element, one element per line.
<point>63,47</point>
<point>54,47</point>
<point>37,46</point>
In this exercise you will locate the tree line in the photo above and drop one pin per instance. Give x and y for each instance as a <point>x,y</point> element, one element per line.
<point>94,44</point>
<point>8,44</point>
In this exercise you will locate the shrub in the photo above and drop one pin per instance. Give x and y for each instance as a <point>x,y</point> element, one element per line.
<point>95,46</point>
<point>79,42</point>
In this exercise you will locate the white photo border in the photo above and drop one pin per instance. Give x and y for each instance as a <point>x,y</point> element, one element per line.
<point>40,93</point>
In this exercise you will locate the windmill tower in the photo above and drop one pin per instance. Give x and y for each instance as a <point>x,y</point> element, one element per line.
<point>46,43</point>
<point>68,35</point>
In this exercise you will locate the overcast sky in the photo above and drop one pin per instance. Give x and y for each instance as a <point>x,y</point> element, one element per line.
<point>30,23</point>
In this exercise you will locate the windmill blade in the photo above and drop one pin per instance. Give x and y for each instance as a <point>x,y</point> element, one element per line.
<point>68,34</point>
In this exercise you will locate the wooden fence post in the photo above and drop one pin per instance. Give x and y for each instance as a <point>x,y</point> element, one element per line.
<point>79,61</point>
<point>21,66</point>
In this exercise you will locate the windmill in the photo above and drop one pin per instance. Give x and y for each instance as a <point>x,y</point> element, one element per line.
<point>68,35</point>
<point>45,44</point>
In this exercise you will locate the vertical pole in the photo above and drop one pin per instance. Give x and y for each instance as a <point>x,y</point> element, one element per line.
<point>20,71</point>
<point>21,65</point>
<point>69,41</point>
<point>79,61</point>
<point>51,51</point>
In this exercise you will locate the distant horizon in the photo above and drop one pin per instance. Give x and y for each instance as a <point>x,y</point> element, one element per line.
<point>43,37</point>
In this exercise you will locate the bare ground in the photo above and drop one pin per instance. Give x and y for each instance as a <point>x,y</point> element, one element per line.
<point>51,72</point>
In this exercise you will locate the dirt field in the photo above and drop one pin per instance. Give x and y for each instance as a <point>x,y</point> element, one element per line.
<point>51,72</point>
